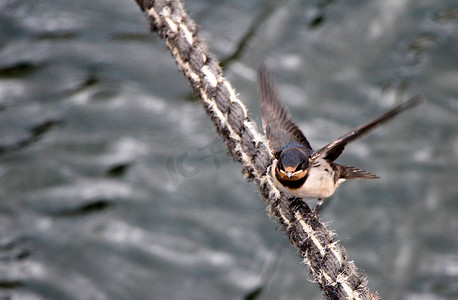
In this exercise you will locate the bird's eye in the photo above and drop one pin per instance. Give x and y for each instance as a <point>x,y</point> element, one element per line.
<point>280,166</point>
<point>301,166</point>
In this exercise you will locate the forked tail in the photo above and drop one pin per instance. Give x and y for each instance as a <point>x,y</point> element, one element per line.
<point>350,172</point>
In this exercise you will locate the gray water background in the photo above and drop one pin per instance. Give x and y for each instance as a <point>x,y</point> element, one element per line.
<point>114,185</point>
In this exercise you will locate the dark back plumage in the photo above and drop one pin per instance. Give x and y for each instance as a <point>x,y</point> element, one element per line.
<point>280,129</point>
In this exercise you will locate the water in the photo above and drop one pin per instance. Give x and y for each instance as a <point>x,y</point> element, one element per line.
<point>113,184</point>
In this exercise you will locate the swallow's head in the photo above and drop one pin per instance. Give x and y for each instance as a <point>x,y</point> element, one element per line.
<point>292,164</point>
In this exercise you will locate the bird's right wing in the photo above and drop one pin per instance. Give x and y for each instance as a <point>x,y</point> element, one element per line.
<point>278,126</point>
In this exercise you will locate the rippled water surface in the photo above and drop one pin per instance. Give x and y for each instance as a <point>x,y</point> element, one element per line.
<point>114,185</point>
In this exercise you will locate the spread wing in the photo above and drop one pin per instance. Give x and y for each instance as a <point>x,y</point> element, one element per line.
<point>278,126</point>
<point>334,149</point>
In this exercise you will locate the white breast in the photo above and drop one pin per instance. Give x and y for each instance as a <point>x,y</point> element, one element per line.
<point>319,183</point>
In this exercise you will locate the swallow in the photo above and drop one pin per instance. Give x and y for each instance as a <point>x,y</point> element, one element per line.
<point>297,169</point>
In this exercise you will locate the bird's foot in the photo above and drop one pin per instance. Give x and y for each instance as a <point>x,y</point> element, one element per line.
<point>319,201</point>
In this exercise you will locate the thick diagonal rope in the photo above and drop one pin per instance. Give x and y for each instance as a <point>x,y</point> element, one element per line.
<point>337,276</point>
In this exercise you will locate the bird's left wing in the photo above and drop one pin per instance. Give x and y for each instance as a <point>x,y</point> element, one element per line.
<point>334,149</point>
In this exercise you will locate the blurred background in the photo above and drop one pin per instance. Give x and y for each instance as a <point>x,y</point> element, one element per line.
<point>114,184</point>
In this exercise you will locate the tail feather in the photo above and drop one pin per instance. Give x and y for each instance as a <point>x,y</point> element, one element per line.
<point>350,172</point>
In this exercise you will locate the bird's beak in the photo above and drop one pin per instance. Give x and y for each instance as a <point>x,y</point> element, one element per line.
<point>289,174</point>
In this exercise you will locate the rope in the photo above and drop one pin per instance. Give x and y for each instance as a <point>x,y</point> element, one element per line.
<point>337,277</point>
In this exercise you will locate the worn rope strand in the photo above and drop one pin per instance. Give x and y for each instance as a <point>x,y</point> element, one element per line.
<point>337,277</point>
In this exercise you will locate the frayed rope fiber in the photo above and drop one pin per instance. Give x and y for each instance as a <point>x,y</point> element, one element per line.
<point>337,277</point>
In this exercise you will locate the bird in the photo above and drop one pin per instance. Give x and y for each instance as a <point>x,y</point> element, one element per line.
<point>298,170</point>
